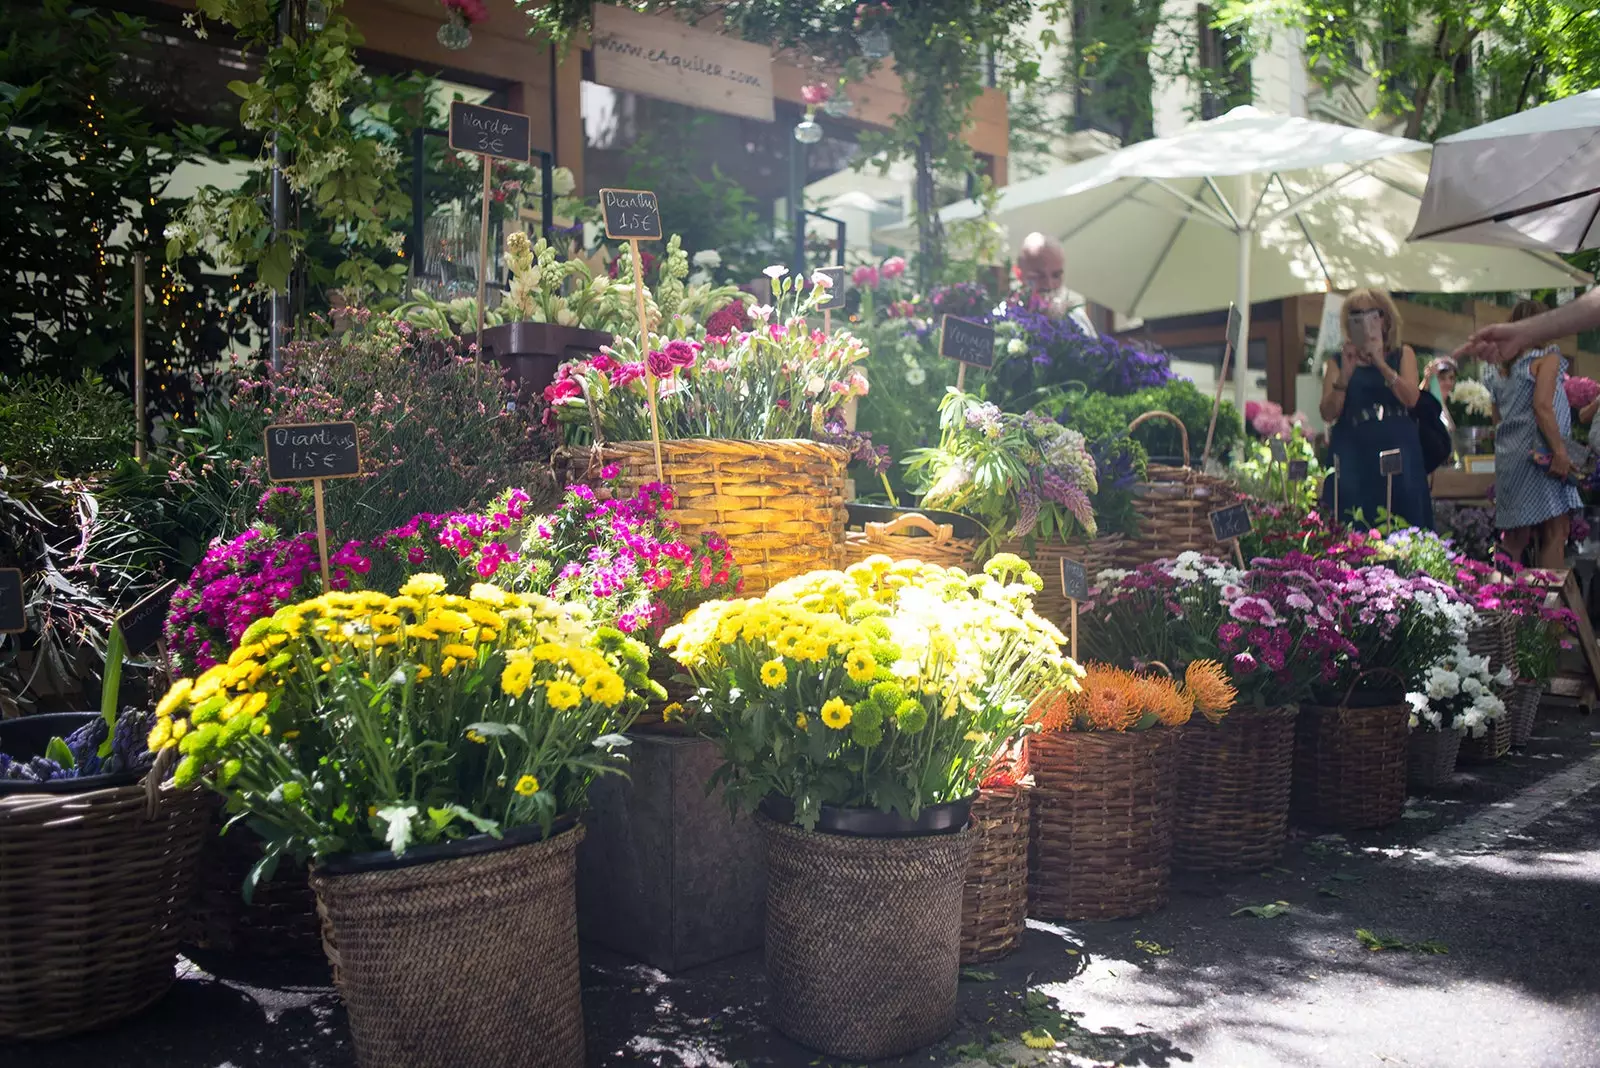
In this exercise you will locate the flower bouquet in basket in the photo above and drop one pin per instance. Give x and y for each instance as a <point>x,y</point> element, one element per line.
<point>858,710</point>
<point>425,747</point>
<point>1458,698</point>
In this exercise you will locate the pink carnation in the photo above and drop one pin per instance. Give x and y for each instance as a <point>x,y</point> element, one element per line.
<point>893,267</point>
<point>1582,391</point>
<point>816,93</point>
<point>865,276</point>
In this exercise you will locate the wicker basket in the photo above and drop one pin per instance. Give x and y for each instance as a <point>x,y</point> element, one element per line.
<point>1523,710</point>
<point>994,907</point>
<point>1045,558</point>
<point>94,891</point>
<point>1103,806</point>
<point>1431,757</point>
<point>1494,636</point>
<point>863,938</point>
<point>1174,505</point>
<point>912,536</point>
<point>1491,745</point>
<point>1350,763</point>
<point>467,961</point>
<point>780,504</point>
<point>281,918</point>
<point>1233,790</point>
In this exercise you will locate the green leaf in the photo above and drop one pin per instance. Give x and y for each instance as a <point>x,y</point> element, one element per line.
<point>491,729</point>
<point>111,686</point>
<point>445,815</point>
<point>57,750</point>
<point>1269,911</point>
<point>973,975</point>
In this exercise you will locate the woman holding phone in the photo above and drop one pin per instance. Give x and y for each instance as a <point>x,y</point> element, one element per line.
<point>1368,392</point>
<point>1531,496</point>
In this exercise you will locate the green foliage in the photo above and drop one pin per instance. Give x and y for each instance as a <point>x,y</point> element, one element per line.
<point>1097,415</point>
<point>1260,477</point>
<point>63,429</point>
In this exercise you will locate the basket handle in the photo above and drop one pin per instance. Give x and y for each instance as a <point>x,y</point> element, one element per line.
<point>1391,672</point>
<point>153,779</point>
<point>939,532</point>
<point>1159,665</point>
<point>1183,431</point>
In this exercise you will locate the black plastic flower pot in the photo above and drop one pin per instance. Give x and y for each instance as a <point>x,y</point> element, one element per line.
<point>27,736</point>
<point>948,818</point>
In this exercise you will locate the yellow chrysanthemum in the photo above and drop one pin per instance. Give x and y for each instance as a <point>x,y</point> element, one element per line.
<point>836,714</point>
<point>384,620</point>
<point>487,594</point>
<point>459,651</point>
<point>173,698</point>
<point>245,652</point>
<point>800,720</point>
<point>423,585</point>
<point>563,695</point>
<point>605,687</point>
<point>774,674</point>
<point>474,736</point>
<point>159,735</point>
<point>527,786</point>
<point>448,620</point>
<point>422,632</point>
<point>385,640</point>
<point>1038,1039</point>
<point>860,666</point>
<point>515,678</point>
<point>424,672</point>
<point>445,668</point>
<point>672,712</point>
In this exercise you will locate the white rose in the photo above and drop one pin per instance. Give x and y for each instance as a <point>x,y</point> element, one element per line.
<point>562,182</point>
<point>708,259</point>
<point>1016,346</point>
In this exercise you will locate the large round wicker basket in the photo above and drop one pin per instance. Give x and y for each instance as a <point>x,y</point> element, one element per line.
<point>1102,823</point>
<point>1431,757</point>
<point>912,536</point>
<point>863,941</point>
<point>1350,763</point>
<point>994,907</point>
<point>1491,745</point>
<point>1095,554</point>
<point>1233,790</point>
<point>94,893</point>
<point>780,504</point>
<point>471,960</point>
<point>1174,506</point>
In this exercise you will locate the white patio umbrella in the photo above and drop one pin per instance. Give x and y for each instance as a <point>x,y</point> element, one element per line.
<point>1250,207</point>
<point>1529,180</point>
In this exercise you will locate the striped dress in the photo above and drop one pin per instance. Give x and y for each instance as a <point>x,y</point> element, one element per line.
<point>1524,493</point>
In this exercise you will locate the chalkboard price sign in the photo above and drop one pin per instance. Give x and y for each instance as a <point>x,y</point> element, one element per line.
<point>1389,462</point>
<point>1074,580</point>
<point>835,298</point>
<point>488,131</point>
<point>631,214</point>
<point>141,625</point>
<point>1299,470</point>
<point>1231,522</point>
<point>1280,454</point>
<point>12,621</point>
<point>969,342</point>
<point>300,451</point>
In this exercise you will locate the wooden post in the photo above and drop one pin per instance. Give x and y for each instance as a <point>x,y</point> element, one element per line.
<point>961,377</point>
<point>644,354</point>
<point>483,263</point>
<point>322,533</point>
<point>139,432</point>
<point>1074,628</point>
<point>827,321</point>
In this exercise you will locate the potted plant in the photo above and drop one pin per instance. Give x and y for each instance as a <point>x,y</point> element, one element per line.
<point>1472,410</point>
<point>857,711</point>
<point>429,754</point>
<point>1457,697</point>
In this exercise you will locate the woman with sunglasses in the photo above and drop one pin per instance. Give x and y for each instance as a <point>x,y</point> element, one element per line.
<point>1367,397</point>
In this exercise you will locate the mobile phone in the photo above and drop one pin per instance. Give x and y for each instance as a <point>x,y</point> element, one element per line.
<point>1366,330</point>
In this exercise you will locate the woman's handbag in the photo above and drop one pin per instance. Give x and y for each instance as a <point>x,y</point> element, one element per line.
<point>1429,416</point>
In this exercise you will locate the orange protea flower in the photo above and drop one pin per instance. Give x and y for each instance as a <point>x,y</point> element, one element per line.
<point>1208,684</point>
<point>1053,711</point>
<point>1160,696</point>
<point>1108,698</point>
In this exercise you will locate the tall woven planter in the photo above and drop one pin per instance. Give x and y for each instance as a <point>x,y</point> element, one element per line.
<point>1233,790</point>
<point>1431,757</point>
<point>780,504</point>
<point>1095,554</point>
<point>465,961</point>
<point>1494,635</point>
<point>1491,745</point>
<point>912,536</point>
<point>1174,506</point>
<point>1103,808</point>
<point>994,905</point>
<point>863,938</point>
<point>1523,709</point>
<point>94,894</point>
<point>1350,764</point>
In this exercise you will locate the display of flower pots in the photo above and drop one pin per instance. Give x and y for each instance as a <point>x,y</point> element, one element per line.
<point>530,352</point>
<point>460,953</point>
<point>857,980</point>
<point>994,909</point>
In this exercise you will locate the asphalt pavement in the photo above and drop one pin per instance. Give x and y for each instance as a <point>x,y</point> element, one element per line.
<point>1482,901</point>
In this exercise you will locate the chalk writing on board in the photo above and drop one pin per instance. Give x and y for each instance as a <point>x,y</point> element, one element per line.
<point>970,343</point>
<point>631,213</point>
<point>1299,470</point>
<point>297,451</point>
<point>1074,580</point>
<point>1231,522</point>
<point>141,625</point>
<point>836,292</point>
<point>488,131</point>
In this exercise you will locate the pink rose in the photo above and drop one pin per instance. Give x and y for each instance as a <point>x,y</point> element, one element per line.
<point>865,276</point>
<point>816,93</point>
<point>893,267</point>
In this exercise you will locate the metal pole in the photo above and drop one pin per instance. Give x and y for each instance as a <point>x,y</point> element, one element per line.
<point>278,329</point>
<point>1241,359</point>
<point>139,415</point>
<point>419,204</point>
<point>547,197</point>
<point>797,218</point>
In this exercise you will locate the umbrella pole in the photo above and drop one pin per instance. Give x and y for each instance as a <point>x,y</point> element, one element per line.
<point>1241,359</point>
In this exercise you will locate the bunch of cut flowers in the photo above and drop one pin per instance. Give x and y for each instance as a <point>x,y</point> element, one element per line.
<point>1114,699</point>
<point>1458,693</point>
<point>779,379</point>
<point>355,722</point>
<point>1471,403</point>
<point>1021,476</point>
<point>892,685</point>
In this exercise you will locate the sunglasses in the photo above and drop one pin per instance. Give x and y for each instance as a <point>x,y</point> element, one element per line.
<point>1364,313</point>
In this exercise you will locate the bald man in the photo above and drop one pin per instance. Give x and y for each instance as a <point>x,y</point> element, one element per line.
<point>1042,263</point>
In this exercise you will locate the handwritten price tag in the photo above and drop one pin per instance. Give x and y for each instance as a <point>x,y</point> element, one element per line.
<point>967,342</point>
<point>631,213</point>
<point>489,131</point>
<point>300,451</point>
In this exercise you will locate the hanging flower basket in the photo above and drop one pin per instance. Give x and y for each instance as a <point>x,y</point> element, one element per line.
<point>1350,759</point>
<point>1431,757</point>
<point>1233,790</point>
<point>863,941</point>
<point>994,909</point>
<point>780,504</point>
<point>469,956</point>
<point>1174,505</point>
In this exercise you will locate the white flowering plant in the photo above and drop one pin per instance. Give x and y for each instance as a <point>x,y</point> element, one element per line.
<point>1471,404</point>
<point>1458,693</point>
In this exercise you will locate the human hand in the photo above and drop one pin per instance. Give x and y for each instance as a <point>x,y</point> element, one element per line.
<point>1497,342</point>
<point>1560,464</point>
<point>1349,360</point>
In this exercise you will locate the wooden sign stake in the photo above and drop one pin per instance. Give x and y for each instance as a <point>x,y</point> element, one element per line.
<point>138,358</point>
<point>1073,605</point>
<point>483,277</point>
<point>322,529</point>
<point>644,354</point>
<point>1222,377</point>
<point>827,321</point>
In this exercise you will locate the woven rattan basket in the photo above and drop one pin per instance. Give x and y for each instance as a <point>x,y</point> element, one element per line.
<point>912,536</point>
<point>1491,745</point>
<point>994,907</point>
<point>1233,790</point>
<point>1494,635</point>
<point>863,941</point>
<point>1431,757</point>
<point>280,919</point>
<point>1522,708</point>
<point>1103,806</point>
<point>780,504</point>
<point>467,961</point>
<point>1174,506</point>
<point>1350,763</point>
<point>1045,558</point>
<point>94,892</point>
